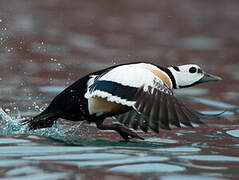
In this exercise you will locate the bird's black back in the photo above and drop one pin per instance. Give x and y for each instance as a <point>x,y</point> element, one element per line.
<point>71,104</point>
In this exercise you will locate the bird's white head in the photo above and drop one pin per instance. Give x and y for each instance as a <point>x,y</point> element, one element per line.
<point>189,75</point>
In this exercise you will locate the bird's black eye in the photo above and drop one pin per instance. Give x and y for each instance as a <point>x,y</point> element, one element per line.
<point>192,70</point>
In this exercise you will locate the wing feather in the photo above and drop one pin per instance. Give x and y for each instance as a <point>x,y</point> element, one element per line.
<point>172,114</point>
<point>154,123</point>
<point>144,124</point>
<point>163,113</point>
<point>128,117</point>
<point>135,122</point>
<point>163,109</point>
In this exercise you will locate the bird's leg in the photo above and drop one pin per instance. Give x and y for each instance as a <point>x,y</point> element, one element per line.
<point>125,132</point>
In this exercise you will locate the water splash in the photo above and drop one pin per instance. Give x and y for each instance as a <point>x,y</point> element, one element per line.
<point>13,126</point>
<point>9,125</point>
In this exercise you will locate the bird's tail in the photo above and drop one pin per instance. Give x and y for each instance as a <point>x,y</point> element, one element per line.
<point>43,120</point>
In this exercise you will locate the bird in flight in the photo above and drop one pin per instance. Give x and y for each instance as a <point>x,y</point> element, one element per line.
<point>138,94</point>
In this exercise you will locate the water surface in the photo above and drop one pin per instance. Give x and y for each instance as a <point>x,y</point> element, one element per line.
<point>46,46</point>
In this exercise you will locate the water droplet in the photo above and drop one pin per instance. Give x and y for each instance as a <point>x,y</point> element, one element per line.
<point>70,74</point>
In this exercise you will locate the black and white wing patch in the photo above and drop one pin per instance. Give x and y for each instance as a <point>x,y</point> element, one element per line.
<point>113,91</point>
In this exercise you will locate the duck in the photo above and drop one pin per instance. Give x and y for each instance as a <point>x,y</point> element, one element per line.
<point>139,96</point>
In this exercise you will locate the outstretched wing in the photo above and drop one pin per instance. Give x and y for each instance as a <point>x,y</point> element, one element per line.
<point>156,109</point>
<point>163,109</point>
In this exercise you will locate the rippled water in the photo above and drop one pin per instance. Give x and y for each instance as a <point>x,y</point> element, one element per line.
<point>45,46</point>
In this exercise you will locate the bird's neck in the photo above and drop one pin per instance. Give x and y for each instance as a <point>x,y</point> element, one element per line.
<point>170,75</point>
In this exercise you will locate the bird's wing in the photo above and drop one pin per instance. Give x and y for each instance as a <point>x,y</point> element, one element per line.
<point>163,108</point>
<point>154,104</point>
<point>156,109</point>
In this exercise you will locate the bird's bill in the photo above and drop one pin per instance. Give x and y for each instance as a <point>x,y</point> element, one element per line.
<point>209,77</point>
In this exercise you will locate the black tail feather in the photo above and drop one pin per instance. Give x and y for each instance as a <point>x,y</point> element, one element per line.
<point>41,121</point>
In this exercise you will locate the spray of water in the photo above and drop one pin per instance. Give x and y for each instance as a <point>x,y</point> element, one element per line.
<point>10,126</point>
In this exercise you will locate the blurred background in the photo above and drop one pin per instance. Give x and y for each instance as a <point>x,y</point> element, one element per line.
<point>53,43</point>
<point>47,45</point>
